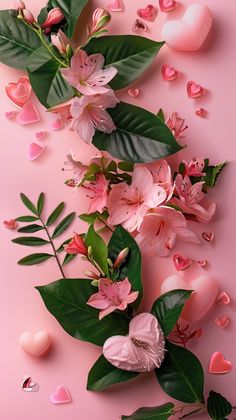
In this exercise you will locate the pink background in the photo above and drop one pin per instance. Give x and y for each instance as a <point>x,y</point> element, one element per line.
<point>21,307</point>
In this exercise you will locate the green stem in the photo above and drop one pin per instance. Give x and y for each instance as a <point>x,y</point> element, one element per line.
<point>191,412</point>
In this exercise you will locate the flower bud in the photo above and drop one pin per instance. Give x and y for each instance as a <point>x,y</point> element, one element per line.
<point>54,16</point>
<point>101,17</point>
<point>91,275</point>
<point>19,5</point>
<point>76,246</point>
<point>60,41</point>
<point>121,257</point>
<point>95,283</point>
<point>28,16</point>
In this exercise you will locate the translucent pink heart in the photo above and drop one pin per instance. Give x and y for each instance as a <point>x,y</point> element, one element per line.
<point>190,32</point>
<point>10,224</point>
<point>19,92</point>
<point>10,115</point>
<point>181,262</point>
<point>116,6</point>
<point>148,13</point>
<point>218,364</point>
<point>201,112</point>
<point>142,350</point>
<point>57,123</point>
<point>35,150</point>
<point>28,114</point>
<point>202,299</point>
<point>35,344</point>
<point>194,90</point>
<point>223,298</point>
<point>61,396</point>
<point>167,6</point>
<point>134,93</point>
<point>40,135</point>
<point>222,322</point>
<point>139,25</point>
<point>208,236</point>
<point>169,74</point>
<point>28,385</point>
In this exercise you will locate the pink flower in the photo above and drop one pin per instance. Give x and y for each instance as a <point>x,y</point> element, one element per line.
<point>60,41</point>
<point>10,224</point>
<point>161,173</point>
<point>101,17</point>
<point>98,193</point>
<point>194,167</point>
<point>54,16</point>
<point>87,75</point>
<point>63,110</point>
<point>112,296</point>
<point>176,125</point>
<point>160,230</point>
<point>189,197</point>
<point>89,113</point>
<point>76,246</point>
<point>102,159</point>
<point>128,204</point>
<point>28,16</point>
<point>73,164</point>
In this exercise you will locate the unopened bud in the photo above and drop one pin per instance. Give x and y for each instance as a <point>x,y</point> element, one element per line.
<point>54,17</point>
<point>28,16</point>
<point>121,257</point>
<point>91,275</point>
<point>101,17</point>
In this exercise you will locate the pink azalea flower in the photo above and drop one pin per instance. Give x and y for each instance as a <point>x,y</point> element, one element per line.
<point>160,230</point>
<point>76,246</point>
<point>161,173</point>
<point>89,113</point>
<point>176,125</point>
<point>73,164</point>
<point>189,198</point>
<point>128,204</point>
<point>87,75</point>
<point>194,167</point>
<point>112,296</point>
<point>98,193</point>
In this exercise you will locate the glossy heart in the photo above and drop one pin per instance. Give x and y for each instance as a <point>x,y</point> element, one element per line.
<point>148,13</point>
<point>28,114</point>
<point>40,135</point>
<point>222,322</point>
<point>202,299</point>
<point>201,112</point>
<point>142,350</point>
<point>169,74</point>
<point>181,262</point>
<point>134,92</point>
<point>189,33</point>
<point>116,6</point>
<point>35,344</point>
<point>167,6</point>
<point>28,385</point>
<point>19,92</point>
<point>208,236</point>
<point>35,150</point>
<point>194,90</point>
<point>223,298</point>
<point>61,396</point>
<point>218,364</point>
<point>139,25</point>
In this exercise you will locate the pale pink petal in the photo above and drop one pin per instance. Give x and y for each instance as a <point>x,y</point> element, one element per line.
<point>94,63</point>
<point>102,77</point>
<point>186,235</point>
<point>109,100</point>
<point>57,123</point>
<point>101,120</point>
<point>98,301</point>
<point>107,311</point>
<point>116,6</point>
<point>28,114</point>
<point>92,89</point>
<point>35,150</point>
<point>155,196</point>
<point>131,297</point>
<point>84,127</point>
<point>123,288</point>
<point>142,179</point>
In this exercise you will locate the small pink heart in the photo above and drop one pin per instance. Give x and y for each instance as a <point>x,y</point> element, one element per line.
<point>10,224</point>
<point>194,90</point>
<point>202,299</point>
<point>28,114</point>
<point>134,93</point>
<point>148,13</point>
<point>57,123</point>
<point>223,298</point>
<point>181,262</point>
<point>201,112</point>
<point>28,385</point>
<point>10,115</point>
<point>35,344</point>
<point>139,25</point>
<point>218,364</point>
<point>168,73</point>
<point>167,6</point>
<point>40,135</point>
<point>190,32</point>
<point>61,396</point>
<point>202,263</point>
<point>35,150</point>
<point>222,322</point>
<point>116,6</point>
<point>19,92</point>
<point>208,236</point>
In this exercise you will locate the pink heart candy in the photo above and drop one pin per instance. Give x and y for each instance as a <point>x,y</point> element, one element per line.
<point>61,396</point>
<point>201,300</point>
<point>218,364</point>
<point>19,92</point>
<point>201,112</point>
<point>190,32</point>
<point>35,150</point>
<point>57,123</point>
<point>167,6</point>
<point>222,322</point>
<point>208,236</point>
<point>35,344</point>
<point>148,13</point>
<point>168,73</point>
<point>134,93</point>
<point>40,135</point>
<point>139,25</point>
<point>28,114</point>
<point>194,90</point>
<point>181,262</point>
<point>116,6</point>
<point>223,298</point>
<point>142,350</point>
<point>10,224</point>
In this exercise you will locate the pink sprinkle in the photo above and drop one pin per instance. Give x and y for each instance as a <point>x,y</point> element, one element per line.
<point>201,112</point>
<point>139,25</point>
<point>10,224</point>
<point>223,298</point>
<point>222,322</point>
<point>134,93</point>
<point>10,115</point>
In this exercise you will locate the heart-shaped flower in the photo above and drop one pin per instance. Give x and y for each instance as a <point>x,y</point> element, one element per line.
<point>169,74</point>
<point>148,13</point>
<point>194,90</point>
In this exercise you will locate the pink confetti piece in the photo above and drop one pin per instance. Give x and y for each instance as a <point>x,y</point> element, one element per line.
<point>134,92</point>
<point>194,90</point>
<point>10,224</point>
<point>169,74</point>
<point>208,236</point>
<point>139,25</point>
<point>223,298</point>
<point>10,115</point>
<point>222,322</point>
<point>35,150</point>
<point>28,115</point>
<point>181,262</point>
<point>167,6</point>
<point>218,364</point>
<point>150,12</point>
<point>19,92</point>
<point>61,396</point>
<point>40,135</point>
<point>201,112</point>
<point>116,6</point>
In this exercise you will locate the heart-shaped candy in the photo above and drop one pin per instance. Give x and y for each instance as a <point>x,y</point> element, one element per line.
<point>222,322</point>
<point>142,350</point>
<point>139,25</point>
<point>10,224</point>
<point>168,73</point>
<point>116,6</point>
<point>35,344</point>
<point>167,6</point>
<point>35,150</point>
<point>189,33</point>
<point>201,112</point>
<point>19,92</point>
<point>148,13</point>
<point>223,298</point>
<point>208,236</point>
<point>181,262</point>
<point>202,299</point>
<point>134,92</point>
<point>28,385</point>
<point>28,114</point>
<point>61,396</point>
<point>40,135</point>
<point>194,90</point>
<point>218,364</point>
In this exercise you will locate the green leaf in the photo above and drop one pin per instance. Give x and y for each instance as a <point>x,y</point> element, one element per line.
<point>132,268</point>
<point>30,228</point>
<point>99,249</point>
<point>54,89</point>
<point>28,203</point>
<point>217,406</point>
<point>55,214</point>
<point>168,307</point>
<point>139,137</point>
<point>63,225</point>
<point>17,41</point>
<point>34,259</point>
<point>30,241</point>
<point>131,55</point>
<point>66,299</point>
<point>181,375</point>
<point>89,218</point>
<point>68,258</point>
<point>126,166</point>
<point>212,174</point>
<point>163,412</point>
<point>40,203</point>
<point>42,15</point>
<point>161,115</point>
<point>72,9</point>
<point>103,374</point>
<point>61,247</point>
<point>26,219</point>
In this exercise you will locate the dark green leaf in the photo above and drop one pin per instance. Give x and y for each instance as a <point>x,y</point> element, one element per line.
<point>40,203</point>
<point>61,247</point>
<point>103,374</point>
<point>54,89</point>
<point>89,218</point>
<point>217,406</point>
<point>181,375</point>
<point>26,219</point>
<point>163,412</point>
<point>66,299</point>
<point>99,249</point>
<point>30,241</point>
<point>72,10</point>
<point>132,267</point>
<point>42,15</point>
<point>161,115</point>
<point>55,214</point>
<point>126,166</point>
<point>63,225</point>
<point>139,137</point>
<point>34,259</point>
<point>112,167</point>
<point>30,228</point>
<point>168,307</point>
<point>68,258</point>
<point>212,174</point>
<point>17,41</point>
<point>28,203</point>
<point>131,55</point>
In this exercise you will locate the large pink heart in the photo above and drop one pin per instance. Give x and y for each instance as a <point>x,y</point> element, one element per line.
<point>142,350</point>
<point>19,92</point>
<point>202,299</point>
<point>189,33</point>
<point>35,344</point>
